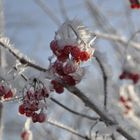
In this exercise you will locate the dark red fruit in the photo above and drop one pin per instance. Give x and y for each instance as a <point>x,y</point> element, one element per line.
<point>41,117</point>
<point>62,57</point>
<point>21,109</point>
<point>135,4</point>
<point>58,67</point>
<point>69,80</point>
<point>84,56</point>
<point>67,49</point>
<point>135,78</point>
<point>69,68</point>
<point>25,135</point>
<point>9,94</point>
<point>35,117</point>
<point>57,86</point>
<point>123,75</point>
<point>54,47</point>
<point>75,52</point>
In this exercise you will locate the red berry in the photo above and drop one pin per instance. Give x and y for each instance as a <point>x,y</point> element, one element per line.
<point>123,75</point>
<point>41,117</point>
<point>57,86</point>
<point>29,113</point>
<point>69,80</point>
<point>69,68</point>
<point>67,49</point>
<point>58,67</point>
<point>135,78</point>
<point>54,47</point>
<point>59,89</point>
<point>84,56</point>
<point>62,57</point>
<point>75,52</point>
<point>9,94</point>
<point>21,109</point>
<point>25,135</point>
<point>35,117</point>
<point>135,6</point>
<point>33,106</point>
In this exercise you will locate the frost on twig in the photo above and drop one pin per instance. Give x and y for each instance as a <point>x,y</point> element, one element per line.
<point>100,129</point>
<point>5,42</point>
<point>67,128</point>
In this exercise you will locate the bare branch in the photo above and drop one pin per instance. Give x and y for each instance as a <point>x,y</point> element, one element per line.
<point>74,112</point>
<point>102,114</point>
<point>67,128</point>
<point>118,38</point>
<point>104,81</point>
<point>63,9</point>
<point>23,60</point>
<point>48,11</point>
<point>99,18</point>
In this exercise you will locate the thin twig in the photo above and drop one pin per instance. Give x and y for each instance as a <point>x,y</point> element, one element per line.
<point>74,112</point>
<point>23,60</point>
<point>118,38</point>
<point>48,11</point>
<point>128,45</point>
<point>100,19</point>
<point>67,128</point>
<point>104,81</point>
<point>63,10</point>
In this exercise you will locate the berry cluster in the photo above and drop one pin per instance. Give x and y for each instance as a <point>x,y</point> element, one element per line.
<point>34,102</point>
<point>67,64</point>
<point>5,92</point>
<point>126,102</point>
<point>135,4</point>
<point>69,51</point>
<point>131,76</point>
<point>74,51</point>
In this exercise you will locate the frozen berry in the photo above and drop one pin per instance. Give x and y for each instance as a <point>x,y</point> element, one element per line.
<point>57,86</point>
<point>8,94</point>
<point>69,68</point>
<point>84,56</point>
<point>69,80</point>
<point>25,135</point>
<point>41,117</point>
<point>21,109</point>
<point>35,117</point>
<point>75,52</point>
